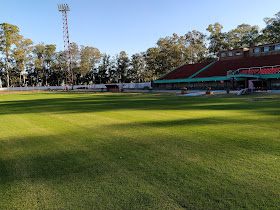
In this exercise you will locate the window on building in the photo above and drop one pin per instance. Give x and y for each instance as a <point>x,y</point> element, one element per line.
<point>238,53</point>
<point>277,47</point>
<point>257,50</point>
<point>230,54</point>
<point>266,49</point>
<point>223,55</point>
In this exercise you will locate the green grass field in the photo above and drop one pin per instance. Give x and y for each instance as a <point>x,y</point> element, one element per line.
<point>139,151</point>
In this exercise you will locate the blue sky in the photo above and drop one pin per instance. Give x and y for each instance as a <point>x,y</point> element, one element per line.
<point>129,25</point>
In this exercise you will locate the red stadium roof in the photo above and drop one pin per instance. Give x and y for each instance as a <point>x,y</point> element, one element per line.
<point>184,71</point>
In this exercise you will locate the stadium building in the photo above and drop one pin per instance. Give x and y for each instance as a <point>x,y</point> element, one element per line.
<point>256,67</point>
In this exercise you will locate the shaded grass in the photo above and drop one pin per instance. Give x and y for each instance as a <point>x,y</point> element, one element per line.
<point>150,151</point>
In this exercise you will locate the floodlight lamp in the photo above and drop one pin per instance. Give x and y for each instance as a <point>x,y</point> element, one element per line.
<point>63,7</point>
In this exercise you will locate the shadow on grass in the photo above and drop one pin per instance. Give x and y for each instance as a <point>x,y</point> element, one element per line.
<point>197,174</point>
<point>40,161</point>
<point>192,173</point>
<point>83,103</point>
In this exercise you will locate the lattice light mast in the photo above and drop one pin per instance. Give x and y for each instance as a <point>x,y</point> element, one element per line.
<point>64,8</point>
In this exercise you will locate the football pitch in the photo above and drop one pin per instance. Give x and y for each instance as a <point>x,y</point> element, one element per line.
<point>139,151</point>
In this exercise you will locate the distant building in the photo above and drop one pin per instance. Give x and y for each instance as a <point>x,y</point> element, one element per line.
<point>255,67</point>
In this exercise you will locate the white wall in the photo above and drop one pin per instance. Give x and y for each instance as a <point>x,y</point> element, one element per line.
<point>96,86</point>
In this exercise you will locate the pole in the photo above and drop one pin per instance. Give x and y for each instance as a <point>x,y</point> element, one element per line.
<point>69,78</point>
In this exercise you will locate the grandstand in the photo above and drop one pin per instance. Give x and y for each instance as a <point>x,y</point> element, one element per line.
<point>256,67</point>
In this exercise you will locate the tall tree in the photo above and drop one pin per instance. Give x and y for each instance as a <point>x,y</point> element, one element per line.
<point>39,61</point>
<point>49,60</point>
<point>1,72</point>
<point>243,36</point>
<point>172,52</point>
<point>217,38</point>
<point>22,55</point>
<point>137,71</point>
<point>59,69</point>
<point>9,36</point>
<point>90,56</point>
<point>271,33</point>
<point>196,46</point>
<point>153,60</point>
<point>75,56</point>
<point>122,64</point>
<point>105,71</point>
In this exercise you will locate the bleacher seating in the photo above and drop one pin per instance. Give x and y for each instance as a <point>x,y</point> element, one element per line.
<point>254,71</point>
<point>251,66</point>
<point>220,68</point>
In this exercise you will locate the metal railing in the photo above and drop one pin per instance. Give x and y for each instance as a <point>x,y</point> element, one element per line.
<point>255,70</point>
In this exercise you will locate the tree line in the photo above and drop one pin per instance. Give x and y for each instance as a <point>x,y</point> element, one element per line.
<point>23,63</point>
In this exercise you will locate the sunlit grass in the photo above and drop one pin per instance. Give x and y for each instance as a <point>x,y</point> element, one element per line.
<point>127,151</point>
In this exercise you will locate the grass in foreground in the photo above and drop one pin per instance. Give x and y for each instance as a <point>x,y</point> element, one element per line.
<point>130,151</point>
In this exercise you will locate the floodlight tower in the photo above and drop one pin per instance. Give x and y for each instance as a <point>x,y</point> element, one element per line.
<point>64,8</point>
